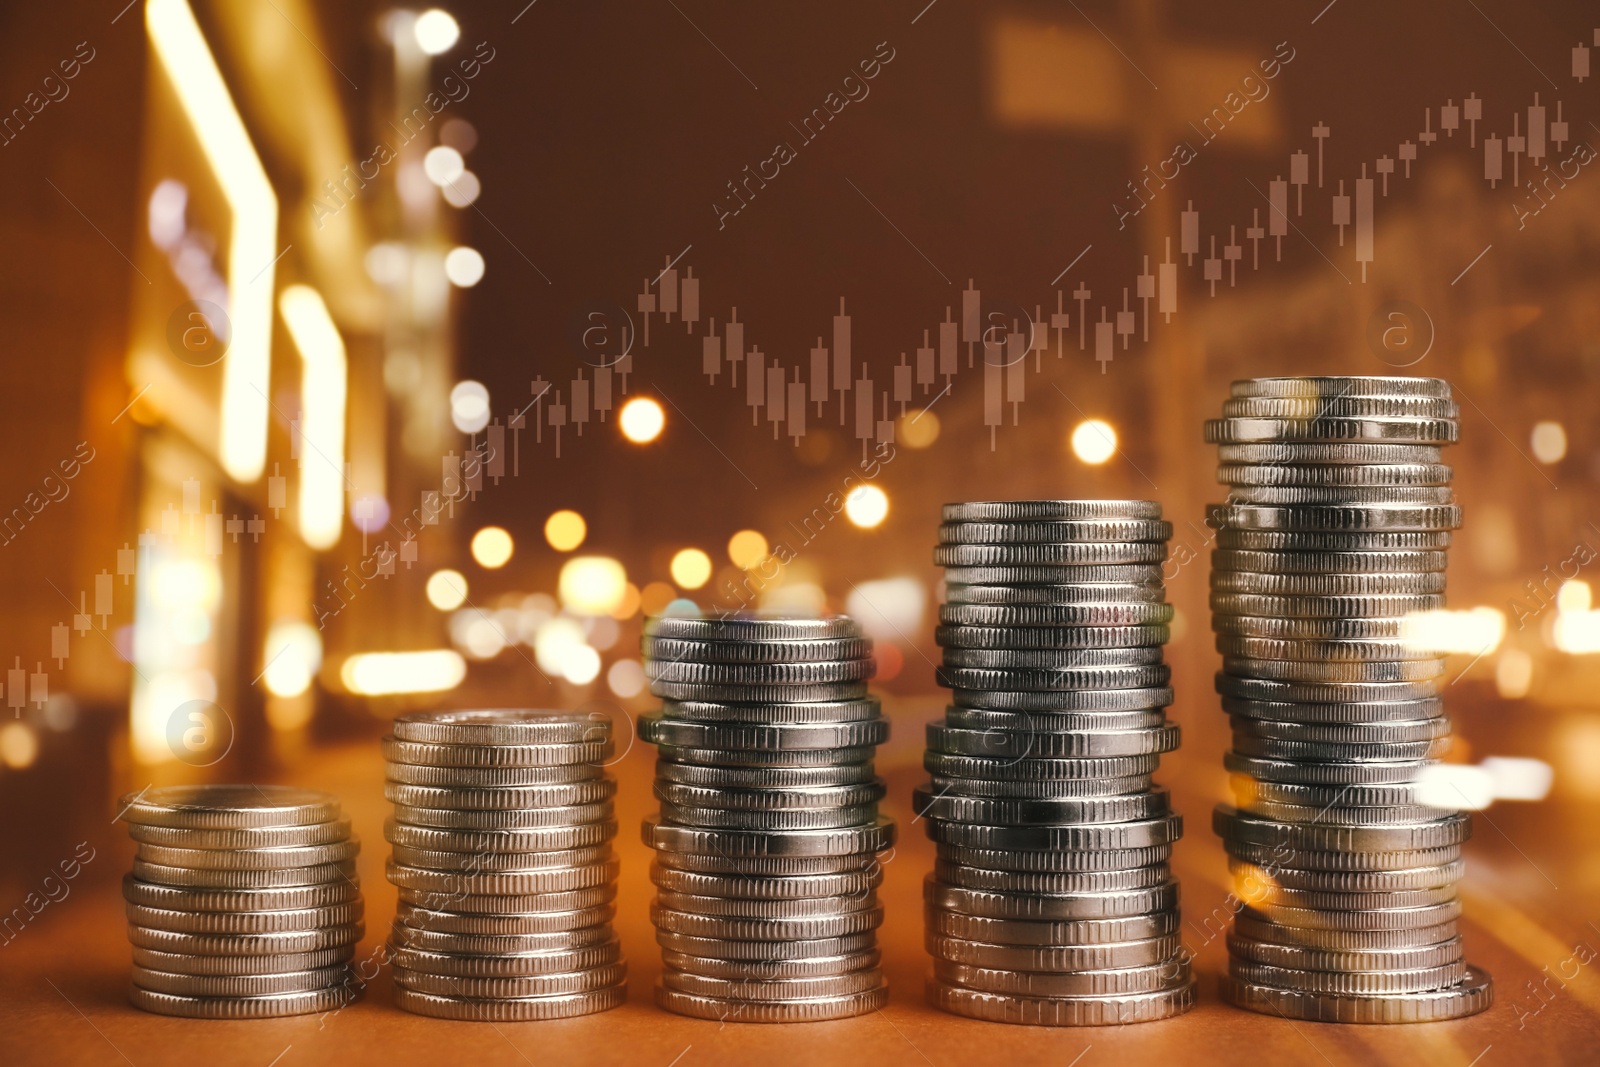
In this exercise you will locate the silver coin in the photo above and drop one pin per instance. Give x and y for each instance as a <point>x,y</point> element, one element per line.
<point>1109,1010</point>
<point>1045,531</point>
<point>765,991</point>
<point>1322,387</point>
<point>759,694</point>
<point>1144,979</point>
<point>1364,583</point>
<point>775,819</point>
<point>791,651</point>
<point>510,819</point>
<point>528,839</point>
<point>244,985</point>
<point>481,777</point>
<point>943,764</point>
<point>508,965</point>
<point>1393,428</point>
<point>815,758</point>
<point>769,970</point>
<point>244,922</point>
<point>1076,745</point>
<point>765,951</point>
<point>662,672</point>
<point>1318,453</point>
<point>764,777</point>
<point>949,808</point>
<point>1049,861</point>
<point>1248,791</point>
<point>854,885</point>
<point>1051,658</point>
<point>1473,995</point>
<point>1141,574</point>
<point>1358,733</point>
<point>657,729</point>
<point>1053,958</point>
<point>1334,475</point>
<point>1378,918</point>
<point>772,714</point>
<point>1054,721</point>
<point>1371,711</point>
<point>510,986</point>
<point>265,1006</point>
<point>808,928</point>
<point>254,859</point>
<point>499,862</point>
<point>1049,510</point>
<point>1312,671</point>
<point>1064,699</point>
<point>1263,894</point>
<point>1070,883</point>
<point>751,626</point>
<point>1277,628</point>
<point>1066,679</point>
<point>1059,789</point>
<point>1103,593</point>
<point>1097,553</point>
<point>732,907</point>
<point>510,1009</point>
<point>1050,637</point>
<point>1134,834</point>
<point>1034,907</point>
<point>497,904</point>
<point>1324,692</point>
<point>1302,650</point>
<point>771,799</point>
<point>154,895</point>
<point>1305,751</point>
<point>551,880</point>
<point>501,726</point>
<point>1229,538</point>
<point>323,833</point>
<point>506,922</point>
<point>1141,614</point>
<point>1273,857</point>
<point>1340,495</point>
<point>1324,607</point>
<point>1340,407</point>
<point>1453,829</point>
<point>1379,983</point>
<point>500,798</point>
<point>1397,518</point>
<point>1393,563</point>
<point>1307,959</point>
<point>580,756</point>
<point>227,807</point>
<point>766,866</point>
<point>188,964</point>
<point>1388,816</point>
<point>850,840</point>
<point>806,1010</point>
<point>1423,877</point>
<point>277,943</point>
<point>1343,940</point>
<point>498,944</point>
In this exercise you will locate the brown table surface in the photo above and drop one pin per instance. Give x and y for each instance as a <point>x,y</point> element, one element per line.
<point>63,979</point>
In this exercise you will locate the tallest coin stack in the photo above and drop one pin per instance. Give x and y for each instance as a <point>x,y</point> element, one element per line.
<point>1332,542</point>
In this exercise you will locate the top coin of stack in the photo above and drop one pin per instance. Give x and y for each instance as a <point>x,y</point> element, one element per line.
<point>766,845</point>
<point>1339,515</point>
<point>1052,902</point>
<point>243,901</point>
<point>501,843</point>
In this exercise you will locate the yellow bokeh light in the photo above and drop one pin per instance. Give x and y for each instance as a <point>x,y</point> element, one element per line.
<point>1094,441</point>
<point>565,530</point>
<point>919,429</point>
<point>447,589</point>
<point>654,598</point>
<point>747,548</point>
<point>491,547</point>
<point>866,506</point>
<point>628,606</point>
<point>18,746</point>
<point>641,420</point>
<point>592,585</point>
<point>691,568</point>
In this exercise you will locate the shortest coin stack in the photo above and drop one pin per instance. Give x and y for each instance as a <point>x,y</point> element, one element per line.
<point>766,846</point>
<point>243,901</point>
<point>501,843</point>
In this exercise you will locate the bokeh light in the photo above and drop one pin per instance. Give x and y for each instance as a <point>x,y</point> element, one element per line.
<point>447,589</point>
<point>18,746</point>
<point>565,530</point>
<point>464,266</point>
<point>469,406</point>
<point>691,568</point>
<point>866,506</point>
<point>1094,441</point>
<point>592,585</point>
<point>292,654</point>
<point>492,547</point>
<point>654,598</point>
<point>436,31</point>
<point>443,165</point>
<point>747,548</point>
<point>641,420</point>
<point>626,678</point>
<point>918,429</point>
<point>1548,441</point>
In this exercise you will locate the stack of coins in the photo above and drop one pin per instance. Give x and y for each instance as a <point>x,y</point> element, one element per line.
<point>1338,519</point>
<point>501,849</point>
<point>243,902</point>
<point>1052,901</point>
<point>766,845</point>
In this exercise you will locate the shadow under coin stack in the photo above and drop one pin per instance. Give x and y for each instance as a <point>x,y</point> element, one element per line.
<point>243,902</point>
<point>1052,902</point>
<point>1338,519</point>
<point>501,849</point>
<point>766,845</point>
